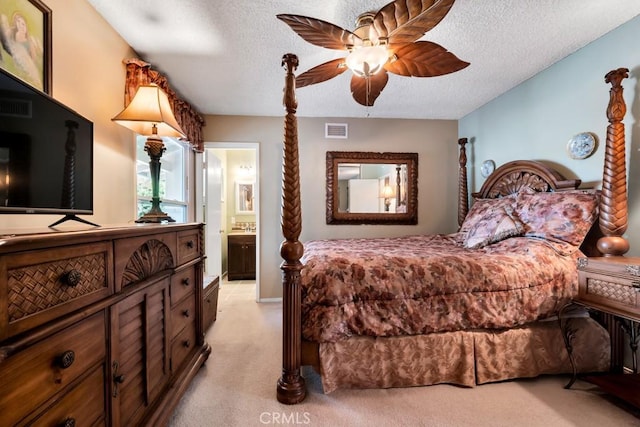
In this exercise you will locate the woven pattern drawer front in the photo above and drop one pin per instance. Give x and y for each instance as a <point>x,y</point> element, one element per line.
<point>610,290</point>
<point>67,279</point>
<point>610,284</point>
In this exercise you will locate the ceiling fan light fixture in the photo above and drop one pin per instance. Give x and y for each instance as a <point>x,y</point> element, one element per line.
<point>384,42</point>
<point>366,61</point>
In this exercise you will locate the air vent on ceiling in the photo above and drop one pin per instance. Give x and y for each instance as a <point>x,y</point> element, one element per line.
<point>15,108</point>
<point>336,130</point>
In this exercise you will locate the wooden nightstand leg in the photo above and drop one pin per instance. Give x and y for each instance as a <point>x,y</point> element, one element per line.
<point>568,335</point>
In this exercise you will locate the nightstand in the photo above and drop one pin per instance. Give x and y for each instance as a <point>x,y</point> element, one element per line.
<point>611,286</point>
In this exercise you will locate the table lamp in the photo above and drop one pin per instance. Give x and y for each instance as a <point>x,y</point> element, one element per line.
<point>149,113</point>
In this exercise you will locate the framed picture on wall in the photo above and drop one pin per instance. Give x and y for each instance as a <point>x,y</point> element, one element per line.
<point>244,198</point>
<point>25,38</point>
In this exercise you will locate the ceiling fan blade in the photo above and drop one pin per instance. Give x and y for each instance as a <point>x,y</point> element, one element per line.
<point>321,73</point>
<point>366,90</point>
<point>405,21</point>
<point>320,33</point>
<point>424,59</point>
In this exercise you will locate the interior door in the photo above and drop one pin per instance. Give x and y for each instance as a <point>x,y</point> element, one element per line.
<point>213,214</point>
<point>363,195</point>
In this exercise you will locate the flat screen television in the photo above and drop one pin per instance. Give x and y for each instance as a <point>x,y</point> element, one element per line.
<point>46,154</point>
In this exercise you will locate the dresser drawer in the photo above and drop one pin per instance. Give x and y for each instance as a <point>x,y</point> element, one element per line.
<point>35,374</point>
<point>43,285</point>
<point>183,282</point>
<point>188,245</point>
<point>183,314</point>
<point>182,345</point>
<point>82,406</point>
<point>610,284</point>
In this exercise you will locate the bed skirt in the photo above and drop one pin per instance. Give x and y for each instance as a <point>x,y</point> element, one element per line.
<point>465,358</point>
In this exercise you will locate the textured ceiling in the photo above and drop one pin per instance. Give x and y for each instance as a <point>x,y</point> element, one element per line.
<point>224,56</point>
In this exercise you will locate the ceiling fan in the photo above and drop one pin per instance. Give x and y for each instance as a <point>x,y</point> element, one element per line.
<point>383,41</point>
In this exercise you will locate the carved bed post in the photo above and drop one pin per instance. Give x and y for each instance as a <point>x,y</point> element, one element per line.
<point>613,202</point>
<point>291,387</point>
<point>463,195</point>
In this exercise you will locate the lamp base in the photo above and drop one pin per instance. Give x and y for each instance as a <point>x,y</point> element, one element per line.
<point>155,217</point>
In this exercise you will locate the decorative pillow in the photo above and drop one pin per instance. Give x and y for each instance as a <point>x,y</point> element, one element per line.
<point>483,207</point>
<point>565,216</point>
<point>497,225</point>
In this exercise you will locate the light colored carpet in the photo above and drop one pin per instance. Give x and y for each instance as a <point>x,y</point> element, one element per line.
<point>237,387</point>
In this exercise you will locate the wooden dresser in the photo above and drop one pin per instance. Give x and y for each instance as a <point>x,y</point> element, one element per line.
<point>101,326</point>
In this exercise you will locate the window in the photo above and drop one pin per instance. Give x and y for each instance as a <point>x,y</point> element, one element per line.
<point>173,179</point>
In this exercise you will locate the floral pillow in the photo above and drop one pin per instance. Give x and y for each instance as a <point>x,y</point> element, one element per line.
<point>484,207</point>
<point>496,225</point>
<point>565,216</point>
<point>489,221</point>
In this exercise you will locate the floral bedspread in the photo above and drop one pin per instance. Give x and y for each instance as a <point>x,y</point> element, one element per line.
<point>421,284</point>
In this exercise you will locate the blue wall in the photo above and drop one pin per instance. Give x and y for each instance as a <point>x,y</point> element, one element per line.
<point>536,119</point>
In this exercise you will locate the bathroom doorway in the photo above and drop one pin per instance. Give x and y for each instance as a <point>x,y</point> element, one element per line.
<point>232,212</point>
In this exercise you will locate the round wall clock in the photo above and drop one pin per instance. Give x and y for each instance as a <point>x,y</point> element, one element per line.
<point>487,168</point>
<point>581,145</point>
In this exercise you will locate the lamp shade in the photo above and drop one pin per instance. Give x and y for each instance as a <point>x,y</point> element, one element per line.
<point>387,192</point>
<point>150,108</point>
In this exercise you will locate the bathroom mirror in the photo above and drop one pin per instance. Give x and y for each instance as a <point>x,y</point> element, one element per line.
<point>372,188</point>
<point>244,198</point>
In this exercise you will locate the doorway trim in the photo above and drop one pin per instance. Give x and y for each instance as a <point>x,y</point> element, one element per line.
<point>255,146</point>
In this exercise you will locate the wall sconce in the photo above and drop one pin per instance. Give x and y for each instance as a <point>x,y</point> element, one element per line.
<point>246,170</point>
<point>149,113</point>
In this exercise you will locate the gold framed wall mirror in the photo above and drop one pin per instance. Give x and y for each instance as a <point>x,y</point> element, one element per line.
<point>372,188</point>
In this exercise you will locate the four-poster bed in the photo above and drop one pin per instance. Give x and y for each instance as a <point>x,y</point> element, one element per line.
<point>466,308</point>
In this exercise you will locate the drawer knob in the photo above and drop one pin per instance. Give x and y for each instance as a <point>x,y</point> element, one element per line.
<point>186,343</point>
<point>71,278</point>
<point>190,244</point>
<point>185,313</point>
<point>69,422</point>
<point>185,281</point>
<point>66,359</point>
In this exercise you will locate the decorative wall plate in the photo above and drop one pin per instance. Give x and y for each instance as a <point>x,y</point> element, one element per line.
<point>581,145</point>
<point>487,168</point>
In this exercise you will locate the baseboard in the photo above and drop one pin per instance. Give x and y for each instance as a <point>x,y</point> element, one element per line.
<point>270,299</point>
